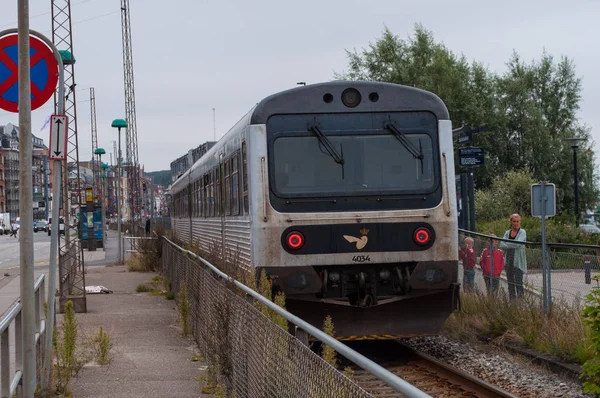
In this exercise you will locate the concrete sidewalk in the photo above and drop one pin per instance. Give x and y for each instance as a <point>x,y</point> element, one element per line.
<point>149,358</point>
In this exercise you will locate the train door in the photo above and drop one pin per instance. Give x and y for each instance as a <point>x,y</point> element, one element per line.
<point>222,197</point>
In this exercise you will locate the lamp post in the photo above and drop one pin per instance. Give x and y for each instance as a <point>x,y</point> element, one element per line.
<point>119,124</point>
<point>575,144</point>
<point>99,152</point>
<point>104,194</point>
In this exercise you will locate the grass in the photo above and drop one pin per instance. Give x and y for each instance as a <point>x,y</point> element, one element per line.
<point>562,333</point>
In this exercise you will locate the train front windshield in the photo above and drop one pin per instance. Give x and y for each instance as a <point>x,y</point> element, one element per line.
<point>366,163</point>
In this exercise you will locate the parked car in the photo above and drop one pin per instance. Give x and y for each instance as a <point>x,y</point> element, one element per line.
<point>591,228</point>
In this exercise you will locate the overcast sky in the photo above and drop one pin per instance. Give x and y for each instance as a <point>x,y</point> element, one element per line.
<point>191,55</point>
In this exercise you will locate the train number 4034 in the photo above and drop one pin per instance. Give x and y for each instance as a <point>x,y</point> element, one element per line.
<point>361,259</point>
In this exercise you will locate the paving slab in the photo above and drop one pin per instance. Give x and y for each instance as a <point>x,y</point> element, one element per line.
<point>149,358</point>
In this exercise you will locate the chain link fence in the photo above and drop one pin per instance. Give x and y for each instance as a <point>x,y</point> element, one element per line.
<point>252,356</point>
<point>572,267</point>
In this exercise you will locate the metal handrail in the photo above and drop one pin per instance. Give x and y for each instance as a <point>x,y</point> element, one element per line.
<point>381,373</point>
<point>8,389</point>
<point>549,244</point>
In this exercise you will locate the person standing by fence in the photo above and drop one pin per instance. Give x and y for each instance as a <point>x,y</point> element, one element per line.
<point>467,257</point>
<point>492,279</point>
<point>514,253</point>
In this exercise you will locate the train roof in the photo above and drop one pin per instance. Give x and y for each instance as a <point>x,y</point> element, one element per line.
<point>311,99</point>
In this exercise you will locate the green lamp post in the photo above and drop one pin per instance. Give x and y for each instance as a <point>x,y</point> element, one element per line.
<point>119,124</point>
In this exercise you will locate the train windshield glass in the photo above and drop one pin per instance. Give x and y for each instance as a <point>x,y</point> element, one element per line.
<point>375,163</point>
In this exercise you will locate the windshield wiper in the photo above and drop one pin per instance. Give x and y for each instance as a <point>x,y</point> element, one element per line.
<point>417,153</point>
<point>326,143</point>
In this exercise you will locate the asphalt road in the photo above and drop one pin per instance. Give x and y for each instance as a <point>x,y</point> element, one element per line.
<point>10,256</point>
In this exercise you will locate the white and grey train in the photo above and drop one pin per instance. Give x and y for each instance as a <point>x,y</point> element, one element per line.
<point>344,193</point>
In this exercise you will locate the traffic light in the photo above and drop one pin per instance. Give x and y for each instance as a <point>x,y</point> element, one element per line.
<point>144,186</point>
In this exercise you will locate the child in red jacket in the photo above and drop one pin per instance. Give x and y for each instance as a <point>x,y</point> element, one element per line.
<point>467,257</point>
<point>492,279</point>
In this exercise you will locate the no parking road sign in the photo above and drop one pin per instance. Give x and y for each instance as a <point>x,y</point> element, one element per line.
<point>44,72</point>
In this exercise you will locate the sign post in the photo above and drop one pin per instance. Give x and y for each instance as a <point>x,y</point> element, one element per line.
<point>543,204</point>
<point>59,128</point>
<point>471,157</point>
<point>44,71</point>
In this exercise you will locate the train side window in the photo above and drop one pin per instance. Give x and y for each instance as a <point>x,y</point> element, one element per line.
<point>235,189</point>
<point>200,196</point>
<point>245,177</point>
<point>205,203</point>
<point>227,187</point>
<point>211,193</point>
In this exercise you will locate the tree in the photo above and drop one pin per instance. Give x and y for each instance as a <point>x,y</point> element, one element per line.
<point>530,109</point>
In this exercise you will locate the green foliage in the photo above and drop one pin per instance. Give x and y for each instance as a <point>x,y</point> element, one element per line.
<point>530,109</point>
<point>509,193</point>
<point>102,344</point>
<point>183,306</point>
<point>561,333</point>
<point>66,364</point>
<point>143,288</point>
<point>591,316</point>
<point>328,353</point>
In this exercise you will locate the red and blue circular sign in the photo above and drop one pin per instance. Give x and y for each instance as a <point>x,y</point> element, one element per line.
<point>43,69</point>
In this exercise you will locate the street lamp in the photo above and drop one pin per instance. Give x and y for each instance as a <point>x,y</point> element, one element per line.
<point>104,194</point>
<point>574,142</point>
<point>99,152</point>
<point>119,124</point>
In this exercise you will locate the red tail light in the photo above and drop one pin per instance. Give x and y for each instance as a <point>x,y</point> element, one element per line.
<point>422,236</point>
<point>295,240</point>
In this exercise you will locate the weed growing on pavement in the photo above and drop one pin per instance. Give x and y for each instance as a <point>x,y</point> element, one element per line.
<point>143,288</point>
<point>183,306</point>
<point>102,344</point>
<point>328,353</point>
<point>64,343</point>
<point>561,333</point>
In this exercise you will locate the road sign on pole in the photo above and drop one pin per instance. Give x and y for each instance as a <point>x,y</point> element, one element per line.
<point>43,72</point>
<point>59,127</point>
<point>543,200</point>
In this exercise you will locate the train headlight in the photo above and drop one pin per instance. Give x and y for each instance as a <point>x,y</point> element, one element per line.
<point>422,236</point>
<point>351,97</point>
<point>295,240</point>
<point>334,277</point>
<point>384,274</point>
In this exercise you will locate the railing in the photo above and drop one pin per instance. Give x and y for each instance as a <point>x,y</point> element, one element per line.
<point>252,356</point>
<point>571,267</point>
<point>135,244</point>
<point>13,319</point>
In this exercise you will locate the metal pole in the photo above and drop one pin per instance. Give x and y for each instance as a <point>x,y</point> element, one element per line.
<point>471,190</point>
<point>55,210</point>
<point>545,270</point>
<point>118,197</point>
<point>46,185</point>
<point>576,183</point>
<point>25,201</point>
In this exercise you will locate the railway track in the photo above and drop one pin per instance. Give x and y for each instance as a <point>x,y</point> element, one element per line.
<point>424,372</point>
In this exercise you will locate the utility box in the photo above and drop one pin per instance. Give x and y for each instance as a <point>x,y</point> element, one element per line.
<point>93,217</point>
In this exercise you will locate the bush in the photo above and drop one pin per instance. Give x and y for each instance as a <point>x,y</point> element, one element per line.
<point>510,191</point>
<point>591,316</point>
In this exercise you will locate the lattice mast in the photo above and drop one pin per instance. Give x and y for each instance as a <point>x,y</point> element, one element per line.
<point>131,143</point>
<point>96,171</point>
<point>71,266</point>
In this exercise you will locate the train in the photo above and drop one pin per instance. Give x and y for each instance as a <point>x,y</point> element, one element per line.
<point>344,193</point>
